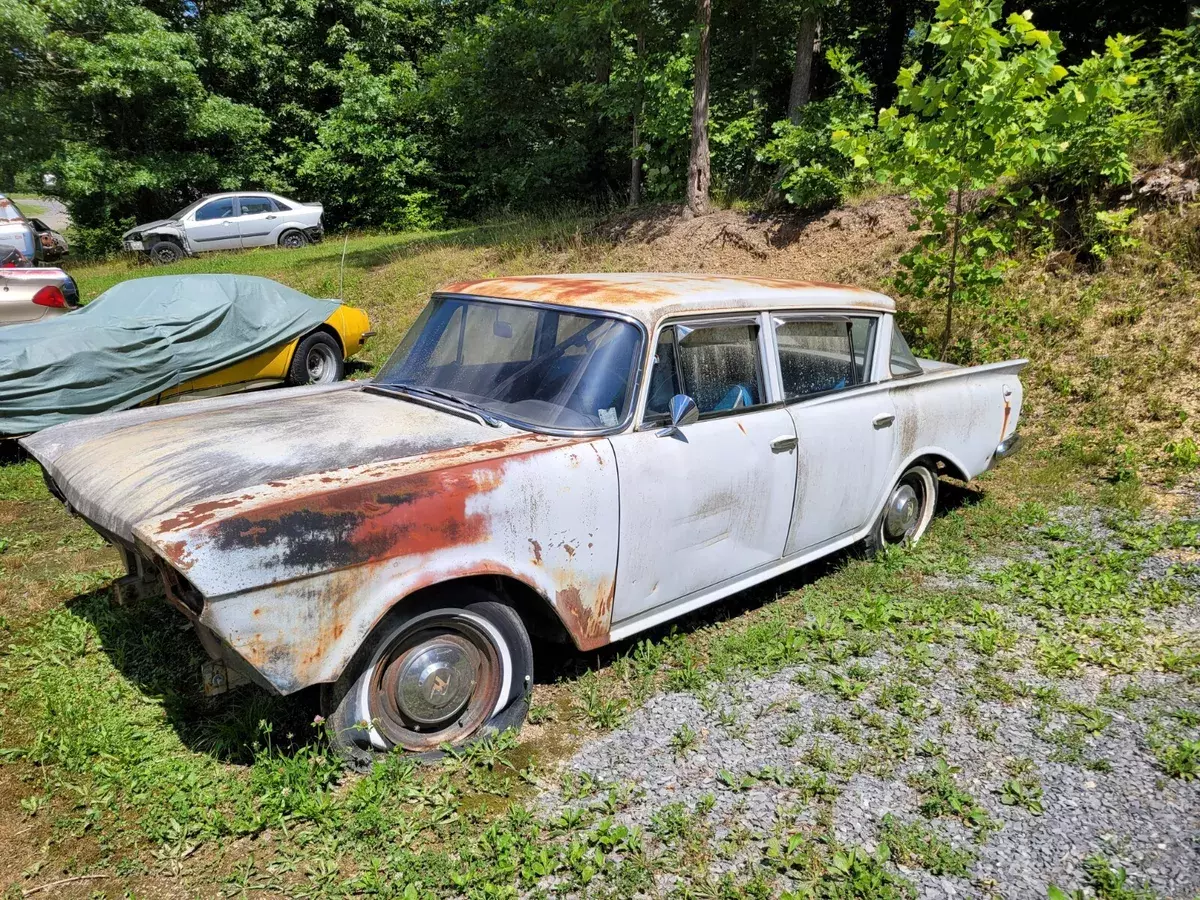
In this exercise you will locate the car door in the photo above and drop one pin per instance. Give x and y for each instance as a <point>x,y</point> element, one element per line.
<point>845,438</point>
<point>712,500</point>
<point>213,226</point>
<point>256,220</point>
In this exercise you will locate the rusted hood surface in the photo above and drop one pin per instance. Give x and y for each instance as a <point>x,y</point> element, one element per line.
<point>120,469</point>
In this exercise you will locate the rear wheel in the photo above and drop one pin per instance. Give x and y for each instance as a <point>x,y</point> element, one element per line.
<point>451,669</point>
<point>908,511</point>
<point>293,240</point>
<point>318,360</point>
<point>163,253</point>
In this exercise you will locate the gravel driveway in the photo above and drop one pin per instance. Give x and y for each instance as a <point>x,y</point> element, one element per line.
<point>1005,778</point>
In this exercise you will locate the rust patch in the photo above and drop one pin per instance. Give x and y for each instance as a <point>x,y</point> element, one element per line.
<point>570,550</point>
<point>177,554</point>
<point>617,290</point>
<point>201,513</point>
<point>354,525</point>
<point>588,625</point>
<point>1007,414</point>
<point>741,428</point>
<point>537,551</point>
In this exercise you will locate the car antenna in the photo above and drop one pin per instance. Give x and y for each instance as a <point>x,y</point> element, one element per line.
<point>342,270</point>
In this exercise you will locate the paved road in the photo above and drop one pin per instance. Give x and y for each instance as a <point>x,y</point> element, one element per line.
<point>55,215</point>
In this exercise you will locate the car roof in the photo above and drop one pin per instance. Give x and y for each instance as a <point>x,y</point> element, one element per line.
<point>225,194</point>
<point>651,297</point>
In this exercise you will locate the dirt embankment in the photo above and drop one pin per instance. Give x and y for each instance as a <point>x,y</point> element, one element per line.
<point>859,244</point>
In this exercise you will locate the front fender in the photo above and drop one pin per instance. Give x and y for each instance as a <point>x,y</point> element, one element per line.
<point>295,574</point>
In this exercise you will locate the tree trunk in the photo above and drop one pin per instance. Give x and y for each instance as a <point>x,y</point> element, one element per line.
<point>635,157</point>
<point>699,172</point>
<point>958,201</point>
<point>893,54</point>
<point>806,37</point>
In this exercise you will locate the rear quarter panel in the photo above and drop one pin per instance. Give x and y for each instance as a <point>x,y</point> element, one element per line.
<point>297,573</point>
<point>960,414</point>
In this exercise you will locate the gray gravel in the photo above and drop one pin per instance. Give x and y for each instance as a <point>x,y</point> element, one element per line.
<point>1132,813</point>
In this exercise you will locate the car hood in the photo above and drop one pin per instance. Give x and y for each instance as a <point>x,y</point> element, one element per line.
<point>172,223</point>
<point>119,469</point>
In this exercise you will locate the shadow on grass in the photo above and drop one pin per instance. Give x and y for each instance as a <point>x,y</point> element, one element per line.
<point>156,650</point>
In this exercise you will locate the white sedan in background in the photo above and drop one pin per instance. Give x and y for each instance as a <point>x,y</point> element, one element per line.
<point>228,222</point>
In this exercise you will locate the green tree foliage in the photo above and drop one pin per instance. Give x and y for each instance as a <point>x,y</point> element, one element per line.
<point>1171,87</point>
<point>995,106</point>
<point>399,113</point>
<point>814,174</point>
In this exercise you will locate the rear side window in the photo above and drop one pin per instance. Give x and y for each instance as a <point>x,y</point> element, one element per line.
<point>815,356</point>
<point>903,362</point>
<point>280,206</point>
<point>717,365</point>
<point>254,205</point>
<point>217,209</point>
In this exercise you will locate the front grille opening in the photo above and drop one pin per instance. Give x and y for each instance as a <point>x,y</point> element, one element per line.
<point>181,592</point>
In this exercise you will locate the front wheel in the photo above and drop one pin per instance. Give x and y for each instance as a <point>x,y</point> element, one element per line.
<point>908,511</point>
<point>163,253</point>
<point>449,670</point>
<point>318,360</point>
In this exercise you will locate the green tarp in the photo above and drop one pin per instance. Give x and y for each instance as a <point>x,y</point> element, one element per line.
<point>140,338</point>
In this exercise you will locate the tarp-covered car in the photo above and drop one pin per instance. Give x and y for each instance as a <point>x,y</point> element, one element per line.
<point>573,457</point>
<point>152,340</point>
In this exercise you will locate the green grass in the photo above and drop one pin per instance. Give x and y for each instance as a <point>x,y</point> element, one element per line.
<point>33,206</point>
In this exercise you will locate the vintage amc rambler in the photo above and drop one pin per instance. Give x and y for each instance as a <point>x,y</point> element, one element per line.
<point>580,457</point>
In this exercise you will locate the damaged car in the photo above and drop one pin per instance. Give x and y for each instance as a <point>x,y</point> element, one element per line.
<point>572,458</point>
<point>234,221</point>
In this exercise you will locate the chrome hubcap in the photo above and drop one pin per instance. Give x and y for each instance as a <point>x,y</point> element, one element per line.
<point>902,511</point>
<point>436,679</point>
<point>435,683</point>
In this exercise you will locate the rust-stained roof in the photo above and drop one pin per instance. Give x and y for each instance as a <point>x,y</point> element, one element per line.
<point>652,296</point>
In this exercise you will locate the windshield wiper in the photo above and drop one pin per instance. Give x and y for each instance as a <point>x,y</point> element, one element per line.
<point>442,395</point>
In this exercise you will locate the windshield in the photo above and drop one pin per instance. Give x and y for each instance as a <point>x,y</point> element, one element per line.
<point>183,212</point>
<point>546,368</point>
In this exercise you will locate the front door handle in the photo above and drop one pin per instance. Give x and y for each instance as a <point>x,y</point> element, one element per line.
<point>883,420</point>
<point>783,444</point>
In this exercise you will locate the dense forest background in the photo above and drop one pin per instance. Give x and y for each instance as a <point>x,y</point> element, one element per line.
<point>408,113</point>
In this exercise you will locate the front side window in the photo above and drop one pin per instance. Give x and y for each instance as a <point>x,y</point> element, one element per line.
<point>217,209</point>
<point>903,363</point>
<point>252,206</point>
<point>543,367</point>
<point>717,365</point>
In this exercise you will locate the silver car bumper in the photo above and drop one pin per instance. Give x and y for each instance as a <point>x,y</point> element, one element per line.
<point>1008,446</point>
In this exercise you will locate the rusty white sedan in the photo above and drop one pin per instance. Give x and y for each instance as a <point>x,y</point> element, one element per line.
<point>576,458</point>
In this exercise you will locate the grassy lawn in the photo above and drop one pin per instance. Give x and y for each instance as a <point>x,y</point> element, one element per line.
<point>31,205</point>
<point>117,777</point>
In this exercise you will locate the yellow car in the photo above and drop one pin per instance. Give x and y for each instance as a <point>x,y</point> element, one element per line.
<point>315,358</point>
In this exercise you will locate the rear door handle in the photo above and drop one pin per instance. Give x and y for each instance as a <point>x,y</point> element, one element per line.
<point>883,420</point>
<point>783,444</point>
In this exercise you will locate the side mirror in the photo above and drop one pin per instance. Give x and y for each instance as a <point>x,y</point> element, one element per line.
<point>683,412</point>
